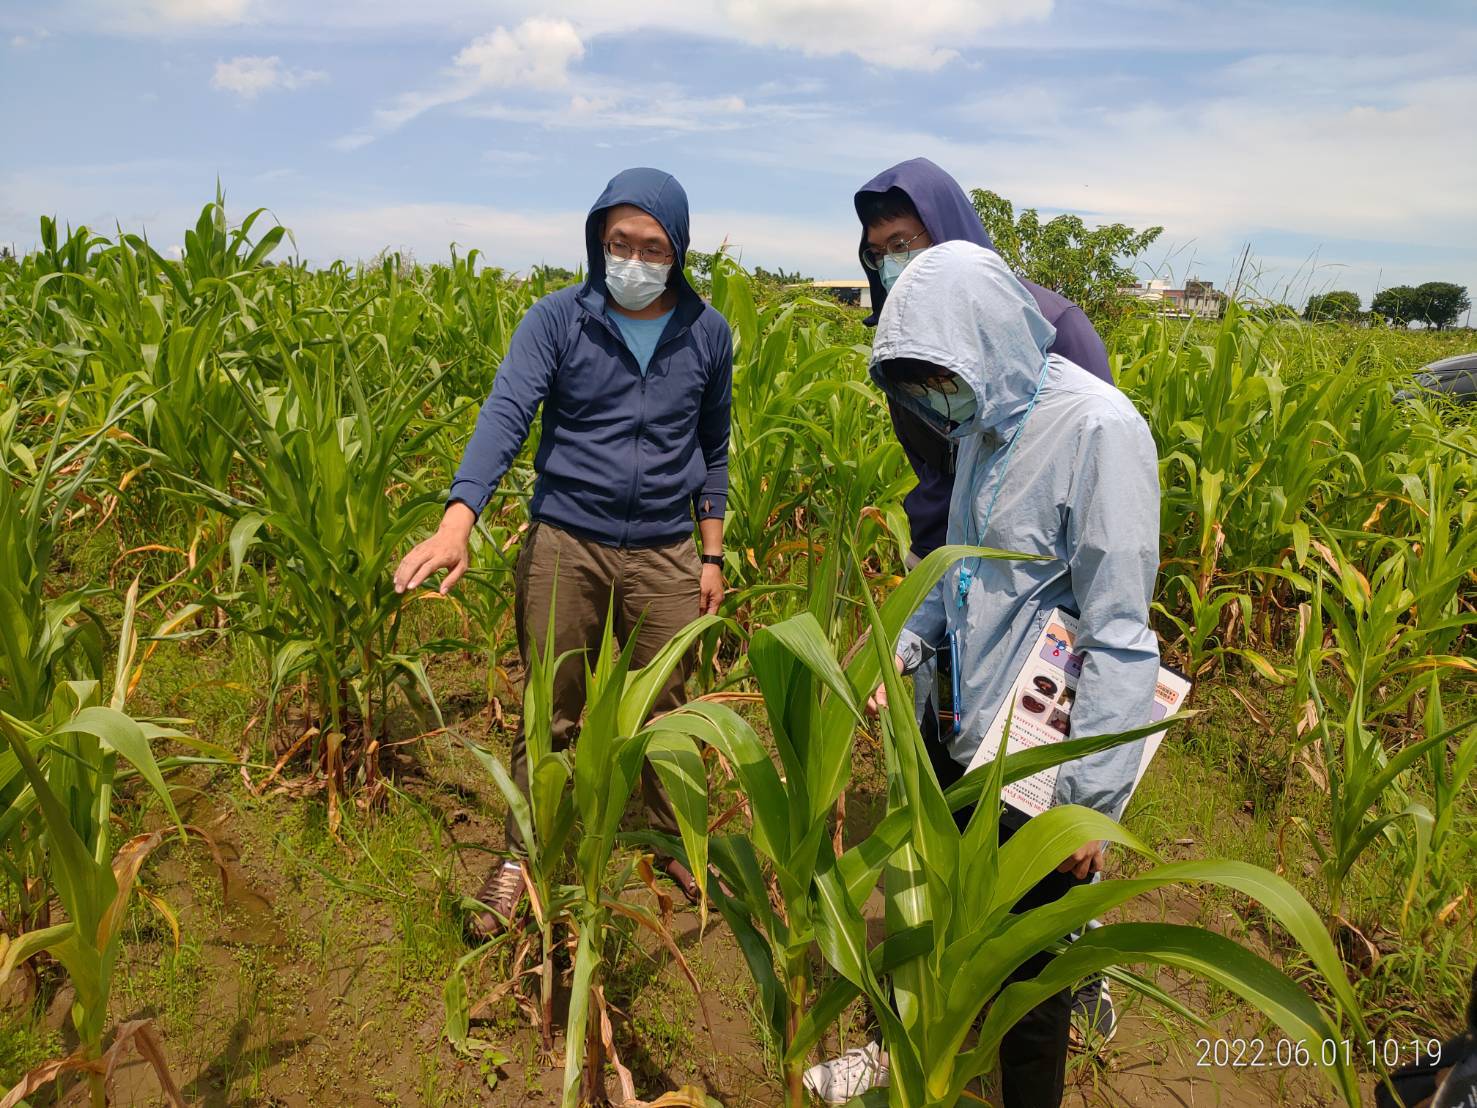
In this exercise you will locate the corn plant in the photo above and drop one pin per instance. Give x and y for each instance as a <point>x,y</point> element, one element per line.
<point>1440,550</point>
<point>42,633</point>
<point>45,639</point>
<point>811,705</point>
<point>545,817</point>
<point>613,745</point>
<point>949,895</point>
<point>810,447</point>
<point>69,763</point>
<point>323,525</point>
<point>588,794</point>
<point>1362,777</point>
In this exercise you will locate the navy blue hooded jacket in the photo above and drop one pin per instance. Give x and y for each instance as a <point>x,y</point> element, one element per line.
<point>623,459</point>
<point>947,216</point>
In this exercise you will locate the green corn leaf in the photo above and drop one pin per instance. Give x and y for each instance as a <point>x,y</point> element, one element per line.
<point>1202,952</point>
<point>121,733</point>
<point>680,768</point>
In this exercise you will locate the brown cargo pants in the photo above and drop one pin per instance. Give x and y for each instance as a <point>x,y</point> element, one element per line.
<point>657,586</point>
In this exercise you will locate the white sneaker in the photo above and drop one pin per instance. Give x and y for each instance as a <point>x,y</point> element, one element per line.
<point>856,1071</point>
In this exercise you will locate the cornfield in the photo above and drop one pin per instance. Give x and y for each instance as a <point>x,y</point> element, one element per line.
<point>232,451</point>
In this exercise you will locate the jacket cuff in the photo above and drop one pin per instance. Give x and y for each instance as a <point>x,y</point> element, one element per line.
<point>471,493</point>
<point>912,650</point>
<point>710,505</point>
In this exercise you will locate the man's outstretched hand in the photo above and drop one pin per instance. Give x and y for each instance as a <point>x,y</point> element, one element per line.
<point>446,549</point>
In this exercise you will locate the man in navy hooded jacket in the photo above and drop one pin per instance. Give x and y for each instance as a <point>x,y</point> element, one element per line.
<point>633,371</point>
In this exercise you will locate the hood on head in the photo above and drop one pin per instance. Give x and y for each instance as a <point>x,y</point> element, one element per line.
<point>959,307</point>
<point>943,207</point>
<point>658,194</point>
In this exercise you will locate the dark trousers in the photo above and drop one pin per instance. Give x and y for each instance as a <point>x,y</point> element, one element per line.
<point>654,591</point>
<point>1033,1054</point>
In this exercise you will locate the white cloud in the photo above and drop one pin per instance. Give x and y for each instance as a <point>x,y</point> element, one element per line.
<point>153,17</point>
<point>535,54</point>
<point>606,106</point>
<point>1217,169</point>
<point>354,140</point>
<point>923,34</point>
<point>29,40</point>
<point>204,12</point>
<point>249,76</point>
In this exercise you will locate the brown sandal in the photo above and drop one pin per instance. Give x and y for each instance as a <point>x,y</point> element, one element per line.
<point>500,892</point>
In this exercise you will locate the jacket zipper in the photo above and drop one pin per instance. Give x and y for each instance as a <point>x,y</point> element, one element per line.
<point>635,462</point>
<point>641,421</point>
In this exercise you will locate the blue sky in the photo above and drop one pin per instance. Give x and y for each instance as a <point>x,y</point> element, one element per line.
<point>1334,138</point>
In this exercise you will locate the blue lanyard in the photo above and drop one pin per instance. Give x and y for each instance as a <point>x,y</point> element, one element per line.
<point>966,571</point>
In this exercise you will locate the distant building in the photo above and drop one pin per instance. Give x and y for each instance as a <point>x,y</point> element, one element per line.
<point>856,293</point>
<point>1197,299</point>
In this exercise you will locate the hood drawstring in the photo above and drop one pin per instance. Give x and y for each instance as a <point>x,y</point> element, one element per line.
<point>974,535</point>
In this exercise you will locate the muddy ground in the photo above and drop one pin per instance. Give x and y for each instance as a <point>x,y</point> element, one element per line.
<point>314,974</point>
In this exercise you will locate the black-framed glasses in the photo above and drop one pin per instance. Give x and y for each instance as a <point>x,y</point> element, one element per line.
<point>624,251</point>
<point>899,245</point>
<point>946,383</point>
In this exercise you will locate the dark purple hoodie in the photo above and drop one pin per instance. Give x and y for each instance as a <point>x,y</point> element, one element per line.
<point>948,215</point>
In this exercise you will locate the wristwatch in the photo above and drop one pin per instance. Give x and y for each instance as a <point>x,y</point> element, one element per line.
<point>712,559</point>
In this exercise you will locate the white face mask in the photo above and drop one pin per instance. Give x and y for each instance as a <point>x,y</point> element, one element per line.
<point>955,407</point>
<point>893,266</point>
<point>635,284</point>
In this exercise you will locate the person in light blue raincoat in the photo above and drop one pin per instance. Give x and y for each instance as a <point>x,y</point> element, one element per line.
<point>1052,462</point>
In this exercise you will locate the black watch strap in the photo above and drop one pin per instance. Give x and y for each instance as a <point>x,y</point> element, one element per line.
<point>712,559</point>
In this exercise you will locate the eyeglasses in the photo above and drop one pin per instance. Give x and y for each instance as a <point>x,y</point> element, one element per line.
<point>873,257</point>
<point>946,383</point>
<point>624,252</point>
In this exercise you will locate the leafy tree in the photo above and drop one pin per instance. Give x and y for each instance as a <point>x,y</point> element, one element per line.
<point>700,270</point>
<point>779,276</point>
<point>1272,312</point>
<point>556,275</point>
<point>1400,304</point>
<point>1086,265</point>
<point>1332,306</point>
<point>1440,304</point>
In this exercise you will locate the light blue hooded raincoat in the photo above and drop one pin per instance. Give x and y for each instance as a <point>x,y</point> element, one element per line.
<point>1079,486</point>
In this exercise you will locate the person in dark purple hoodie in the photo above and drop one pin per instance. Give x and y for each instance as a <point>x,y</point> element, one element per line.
<point>909,208</point>
<point>905,210</point>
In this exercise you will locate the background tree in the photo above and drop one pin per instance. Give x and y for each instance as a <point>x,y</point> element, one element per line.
<point>700,270</point>
<point>1086,265</point>
<point>1399,304</point>
<point>556,275</point>
<point>778,277</point>
<point>1328,306</point>
<point>1441,304</point>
